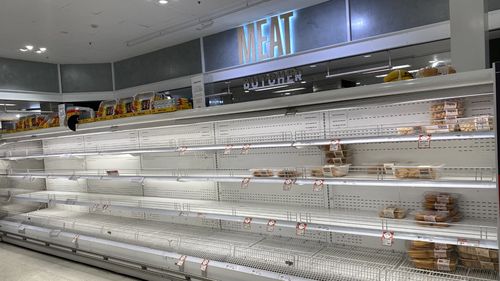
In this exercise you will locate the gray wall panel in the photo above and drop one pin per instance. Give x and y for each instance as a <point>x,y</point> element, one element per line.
<point>375,17</point>
<point>86,77</point>
<point>28,76</point>
<point>172,62</point>
<point>320,25</point>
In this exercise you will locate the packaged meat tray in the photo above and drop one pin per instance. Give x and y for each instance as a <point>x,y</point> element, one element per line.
<point>336,170</point>
<point>476,264</point>
<point>422,245</point>
<point>262,172</point>
<point>437,218</point>
<point>392,212</point>
<point>431,254</point>
<point>439,129</point>
<point>479,252</point>
<point>441,197</point>
<point>417,172</point>
<point>475,124</point>
<point>436,264</point>
<point>457,112</point>
<point>447,105</point>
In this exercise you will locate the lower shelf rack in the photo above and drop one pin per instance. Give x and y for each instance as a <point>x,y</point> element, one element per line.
<point>467,232</point>
<point>299,259</point>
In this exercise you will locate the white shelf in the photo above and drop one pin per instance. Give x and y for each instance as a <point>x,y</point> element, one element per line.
<point>295,142</point>
<point>452,177</point>
<point>310,259</point>
<point>476,82</point>
<point>319,219</point>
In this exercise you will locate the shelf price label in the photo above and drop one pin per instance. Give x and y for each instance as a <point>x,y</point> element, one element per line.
<point>270,225</point>
<point>183,150</point>
<point>467,242</point>
<point>245,149</point>
<point>318,185</point>
<point>287,184</point>
<point>335,145</point>
<point>75,240</point>
<point>244,183</point>
<point>181,261</point>
<point>300,229</point>
<point>387,238</point>
<point>204,266</point>
<point>227,149</point>
<point>247,223</point>
<point>424,141</point>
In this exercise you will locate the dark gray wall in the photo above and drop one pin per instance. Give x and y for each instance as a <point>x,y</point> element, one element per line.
<point>28,76</point>
<point>375,17</point>
<point>493,5</point>
<point>168,63</point>
<point>313,27</point>
<point>86,77</point>
<point>320,26</point>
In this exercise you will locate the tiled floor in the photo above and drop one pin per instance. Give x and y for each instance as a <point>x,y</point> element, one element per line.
<point>19,264</point>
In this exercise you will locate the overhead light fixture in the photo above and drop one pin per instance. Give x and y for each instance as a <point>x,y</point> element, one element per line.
<point>289,90</point>
<point>18,115</point>
<point>367,56</point>
<point>358,83</point>
<point>23,50</point>
<point>362,71</point>
<point>38,52</point>
<point>287,93</point>
<point>312,66</point>
<point>43,49</point>
<point>413,71</point>
<point>303,82</point>
<point>400,66</point>
<point>272,87</point>
<point>381,76</point>
<point>29,47</point>
<point>247,91</point>
<point>7,104</point>
<point>162,2</point>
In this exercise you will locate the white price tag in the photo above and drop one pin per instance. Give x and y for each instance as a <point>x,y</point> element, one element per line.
<point>247,223</point>
<point>318,185</point>
<point>335,145</point>
<point>204,265</point>
<point>287,184</point>
<point>387,238</point>
<point>227,149</point>
<point>424,141</point>
<point>245,149</point>
<point>245,182</point>
<point>183,150</point>
<point>181,261</point>
<point>301,228</point>
<point>270,225</point>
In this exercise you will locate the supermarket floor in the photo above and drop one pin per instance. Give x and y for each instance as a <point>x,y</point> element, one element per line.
<point>19,264</point>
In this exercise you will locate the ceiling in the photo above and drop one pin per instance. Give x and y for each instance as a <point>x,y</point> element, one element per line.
<point>90,31</point>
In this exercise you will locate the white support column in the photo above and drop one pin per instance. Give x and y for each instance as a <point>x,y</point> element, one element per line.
<point>469,34</point>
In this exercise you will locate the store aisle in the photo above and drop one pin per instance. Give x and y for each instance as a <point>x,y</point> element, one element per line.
<point>19,264</point>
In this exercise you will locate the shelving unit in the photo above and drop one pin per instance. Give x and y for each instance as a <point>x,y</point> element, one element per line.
<point>144,191</point>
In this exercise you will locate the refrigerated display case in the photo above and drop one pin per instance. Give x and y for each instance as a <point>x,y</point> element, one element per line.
<point>248,191</point>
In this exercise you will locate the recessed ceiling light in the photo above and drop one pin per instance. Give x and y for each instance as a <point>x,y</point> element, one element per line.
<point>38,52</point>
<point>312,66</point>
<point>303,82</point>
<point>247,91</point>
<point>162,2</point>
<point>29,47</point>
<point>23,50</point>
<point>358,83</point>
<point>367,56</point>
<point>43,49</point>
<point>18,115</point>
